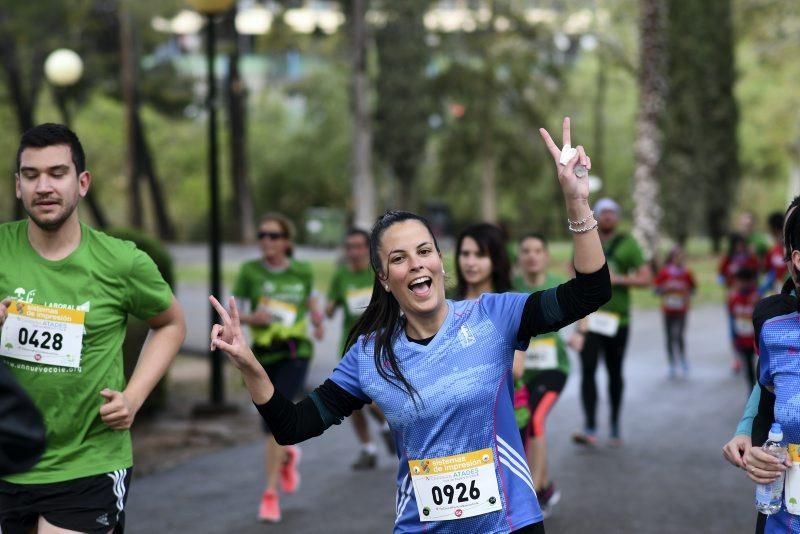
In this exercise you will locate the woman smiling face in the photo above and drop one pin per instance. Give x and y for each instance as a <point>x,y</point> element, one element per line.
<point>412,270</point>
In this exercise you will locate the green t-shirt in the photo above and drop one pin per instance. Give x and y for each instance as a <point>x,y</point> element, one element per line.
<point>542,347</point>
<point>284,293</point>
<point>106,278</point>
<point>352,291</point>
<point>623,255</point>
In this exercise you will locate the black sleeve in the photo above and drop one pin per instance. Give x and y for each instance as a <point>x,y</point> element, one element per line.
<point>292,423</point>
<point>22,432</point>
<point>551,309</point>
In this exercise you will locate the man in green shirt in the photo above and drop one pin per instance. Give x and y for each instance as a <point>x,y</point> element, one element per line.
<point>606,331</point>
<point>351,290</point>
<point>68,291</point>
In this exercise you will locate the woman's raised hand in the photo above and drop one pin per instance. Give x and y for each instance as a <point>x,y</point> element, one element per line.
<point>228,336</point>
<point>575,186</point>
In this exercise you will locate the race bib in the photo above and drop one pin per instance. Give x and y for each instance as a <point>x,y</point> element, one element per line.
<point>541,354</point>
<point>41,334</point>
<point>284,313</point>
<point>455,487</point>
<point>358,300</point>
<point>674,302</point>
<point>603,323</point>
<point>743,326</point>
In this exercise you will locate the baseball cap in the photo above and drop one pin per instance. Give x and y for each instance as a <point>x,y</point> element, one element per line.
<point>605,204</point>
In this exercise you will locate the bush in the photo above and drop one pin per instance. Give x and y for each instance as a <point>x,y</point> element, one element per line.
<point>137,329</point>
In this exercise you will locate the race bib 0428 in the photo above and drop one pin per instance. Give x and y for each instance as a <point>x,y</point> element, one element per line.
<point>41,334</point>
<point>455,487</point>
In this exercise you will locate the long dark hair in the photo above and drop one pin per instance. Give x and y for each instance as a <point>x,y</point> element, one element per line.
<point>382,320</point>
<point>491,243</point>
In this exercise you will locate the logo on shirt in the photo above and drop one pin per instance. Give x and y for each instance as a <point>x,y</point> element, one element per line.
<point>103,520</point>
<point>465,336</point>
<point>25,296</point>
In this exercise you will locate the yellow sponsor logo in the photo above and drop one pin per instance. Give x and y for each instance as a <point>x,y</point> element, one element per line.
<point>450,464</point>
<point>46,313</point>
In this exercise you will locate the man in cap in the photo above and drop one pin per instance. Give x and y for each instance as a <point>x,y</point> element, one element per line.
<point>606,331</point>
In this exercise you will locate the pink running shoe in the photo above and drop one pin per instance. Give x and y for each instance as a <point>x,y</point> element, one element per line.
<point>269,509</point>
<point>290,477</point>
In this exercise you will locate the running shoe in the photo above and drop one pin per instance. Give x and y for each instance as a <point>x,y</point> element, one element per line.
<point>388,439</point>
<point>585,438</point>
<point>269,509</point>
<point>548,498</point>
<point>366,460</point>
<point>290,476</point>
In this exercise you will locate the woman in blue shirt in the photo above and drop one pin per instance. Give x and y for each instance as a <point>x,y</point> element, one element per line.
<point>441,370</point>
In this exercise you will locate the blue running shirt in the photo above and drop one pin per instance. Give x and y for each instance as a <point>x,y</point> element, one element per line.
<point>463,377</point>
<point>779,367</point>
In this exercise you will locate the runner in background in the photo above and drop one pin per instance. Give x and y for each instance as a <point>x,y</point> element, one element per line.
<point>543,366</point>
<point>277,292</point>
<point>775,269</point>
<point>675,283</point>
<point>606,330</point>
<point>742,300</point>
<point>351,290</point>
<point>739,256</point>
<point>757,242</point>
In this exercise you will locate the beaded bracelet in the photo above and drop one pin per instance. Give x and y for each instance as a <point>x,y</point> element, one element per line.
<point>581,222</point>
<point>582,230</point>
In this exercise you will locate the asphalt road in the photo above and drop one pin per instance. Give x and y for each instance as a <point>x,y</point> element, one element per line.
<point>668,478</point>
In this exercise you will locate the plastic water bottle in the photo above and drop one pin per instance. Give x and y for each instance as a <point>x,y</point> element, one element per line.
<point>769,497</point>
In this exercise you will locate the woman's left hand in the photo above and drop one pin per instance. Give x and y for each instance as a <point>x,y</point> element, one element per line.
<point>573,186</point>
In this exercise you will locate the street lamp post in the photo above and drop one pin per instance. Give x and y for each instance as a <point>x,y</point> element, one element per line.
<point>63,68</point>
<point>211,8</point>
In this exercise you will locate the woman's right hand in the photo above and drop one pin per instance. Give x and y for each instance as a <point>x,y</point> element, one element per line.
<point>228,336</point>
<point>762,467</point>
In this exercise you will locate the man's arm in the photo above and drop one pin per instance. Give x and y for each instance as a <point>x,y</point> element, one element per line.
<point>168,330</point>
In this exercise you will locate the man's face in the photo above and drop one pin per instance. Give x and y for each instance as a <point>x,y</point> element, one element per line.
<point>48,185</point>
<point>356,250</point>
<point>607,220</point>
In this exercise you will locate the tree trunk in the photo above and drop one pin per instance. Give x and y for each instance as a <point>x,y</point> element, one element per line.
<point>23,100</point>
<point>164,226</point>
<point>647,147</point>
<point>129,97</point>
<point>363,187</point>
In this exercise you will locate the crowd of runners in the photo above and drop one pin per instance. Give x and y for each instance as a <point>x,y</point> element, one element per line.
<point>470,438</point>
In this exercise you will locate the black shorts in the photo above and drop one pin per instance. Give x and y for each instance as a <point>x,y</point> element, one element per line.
<point>94,504</point>
<point>543,392</point>
<point>288,376</point>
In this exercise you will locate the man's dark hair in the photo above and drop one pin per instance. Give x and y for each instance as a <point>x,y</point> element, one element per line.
<point>358,231</point>
<point>51,134</point>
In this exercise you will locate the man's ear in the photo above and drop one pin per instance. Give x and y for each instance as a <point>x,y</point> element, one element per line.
<point>84,181</point>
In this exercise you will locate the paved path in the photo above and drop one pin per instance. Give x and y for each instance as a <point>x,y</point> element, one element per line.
<point>668,478</point>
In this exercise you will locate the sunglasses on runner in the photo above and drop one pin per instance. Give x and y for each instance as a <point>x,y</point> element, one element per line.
<point>272,236</point>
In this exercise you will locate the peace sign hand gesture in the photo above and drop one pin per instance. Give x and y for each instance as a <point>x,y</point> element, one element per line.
<point>228,336</point>
<point>572,174</point>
